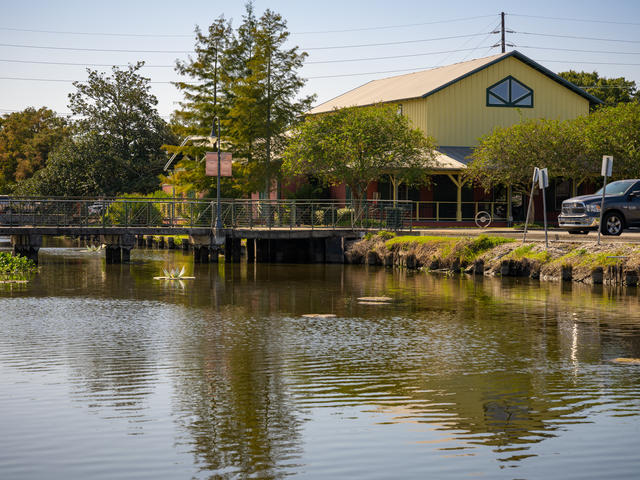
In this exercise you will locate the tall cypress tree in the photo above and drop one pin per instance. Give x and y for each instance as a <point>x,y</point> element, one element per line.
<point>264,84</point>
<point>204,99</point>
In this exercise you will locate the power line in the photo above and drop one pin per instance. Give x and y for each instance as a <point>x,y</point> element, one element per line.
<point>389,57</point>
<point>66,80</point>
<point>46,47</point>
<point>396,43</point>
<point>574,19</point>
<point>578,38</point>
<point>98,34</point>
<point>384,27</point>
<point>81,64</point>
<point>578,50</point>
<point>84,49</point>
<point>185,35</point>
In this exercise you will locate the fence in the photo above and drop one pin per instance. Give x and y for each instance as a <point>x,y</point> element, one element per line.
<point>179,213</point>
<point>448,211</point>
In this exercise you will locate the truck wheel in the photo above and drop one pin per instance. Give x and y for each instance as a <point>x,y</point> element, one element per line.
<point>612,224</point>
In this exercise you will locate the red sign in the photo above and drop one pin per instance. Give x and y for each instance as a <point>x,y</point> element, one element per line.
<point>211,166</point>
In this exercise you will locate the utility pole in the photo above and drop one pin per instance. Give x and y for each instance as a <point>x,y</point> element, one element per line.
<point>502,31</point>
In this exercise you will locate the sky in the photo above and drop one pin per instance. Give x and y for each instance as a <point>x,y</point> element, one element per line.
<point>349,42</point>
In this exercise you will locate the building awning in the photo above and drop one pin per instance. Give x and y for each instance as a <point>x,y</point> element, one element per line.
<point>453,158</point>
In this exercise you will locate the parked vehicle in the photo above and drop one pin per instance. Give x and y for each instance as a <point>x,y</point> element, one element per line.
<point>5,204</point>
<point>621,209</point>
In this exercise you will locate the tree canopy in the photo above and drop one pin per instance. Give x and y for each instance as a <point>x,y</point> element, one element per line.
<point>26,139</point>
<point>250,79</point>
<point>570,149</point>
<point>116,140</point>
<point>610,90</point>
<point>359,145</point>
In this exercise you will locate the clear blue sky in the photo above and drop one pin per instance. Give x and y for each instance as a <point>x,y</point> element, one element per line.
<point>411,21</point>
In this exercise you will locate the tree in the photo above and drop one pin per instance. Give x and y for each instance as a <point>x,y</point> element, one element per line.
<point>120,110</point>
<point>115,147</point>
<point>263,83</point>
<point>615,131</point>
<point>359,145</point>
<point>75,168</point>
<point>508,155</point>
<point>204,100</point>
<point>26,139</point>
<point>610,90</point>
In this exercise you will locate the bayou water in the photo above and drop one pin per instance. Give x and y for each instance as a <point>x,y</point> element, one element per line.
<point>106,374</point>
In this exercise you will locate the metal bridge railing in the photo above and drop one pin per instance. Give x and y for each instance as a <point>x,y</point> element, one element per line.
<point>184,213</point>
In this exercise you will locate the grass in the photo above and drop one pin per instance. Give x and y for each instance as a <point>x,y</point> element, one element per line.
<point>529,252</point>
<point>463,248</point>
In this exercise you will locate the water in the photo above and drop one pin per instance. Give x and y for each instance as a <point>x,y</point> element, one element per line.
<point>106,374</point>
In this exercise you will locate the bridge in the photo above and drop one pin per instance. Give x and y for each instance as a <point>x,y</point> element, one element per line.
<point>292,231</point>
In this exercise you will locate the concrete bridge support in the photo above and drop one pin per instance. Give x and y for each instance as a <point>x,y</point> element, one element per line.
<point>298,250</point>
<point>204,249</point>
<point>118,247</point>
<point>232,250</point>
<point>26,245</point>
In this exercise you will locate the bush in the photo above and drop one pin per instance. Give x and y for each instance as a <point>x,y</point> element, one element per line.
<point>13,266</point>
<point>138,210</point>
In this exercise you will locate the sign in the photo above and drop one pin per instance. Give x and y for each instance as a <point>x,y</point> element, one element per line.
<point>543,178</point>
<point>211,165</point>
<point>607,165</point>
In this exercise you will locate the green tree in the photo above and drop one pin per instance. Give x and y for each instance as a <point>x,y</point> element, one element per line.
<point>508,155</point>
<point>75,168</point>
<point>204,100</point>
<point>610,90</point>
<point>359,145</point>
<point>26,139</point>
<point>615,131</point>
<point>263,84</point>
<point>122,110</point>
<point>116,143</point>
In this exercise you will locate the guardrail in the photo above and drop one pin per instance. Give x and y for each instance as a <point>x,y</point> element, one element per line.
<point>448,211</point>
<point>201,213</point>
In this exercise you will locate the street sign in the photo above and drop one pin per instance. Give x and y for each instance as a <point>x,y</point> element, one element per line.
<point>543,178</point>
<point>211,166</point>
<point>607,165</point>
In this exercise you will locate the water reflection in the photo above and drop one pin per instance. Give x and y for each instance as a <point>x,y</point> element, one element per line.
<point>483,371</point>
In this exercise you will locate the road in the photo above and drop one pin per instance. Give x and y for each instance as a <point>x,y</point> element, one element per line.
<point>555,235</point>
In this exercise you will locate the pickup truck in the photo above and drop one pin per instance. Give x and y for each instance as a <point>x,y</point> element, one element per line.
<point>621,209</point>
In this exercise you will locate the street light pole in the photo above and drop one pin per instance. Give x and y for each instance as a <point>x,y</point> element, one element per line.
<point>218,214</point>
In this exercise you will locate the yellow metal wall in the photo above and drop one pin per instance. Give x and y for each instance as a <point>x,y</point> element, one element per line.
<point>458,115</point>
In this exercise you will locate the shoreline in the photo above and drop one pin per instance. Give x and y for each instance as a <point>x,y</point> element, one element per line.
<point>611,264</point>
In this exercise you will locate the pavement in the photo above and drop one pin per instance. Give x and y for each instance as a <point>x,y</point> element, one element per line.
<point>555,234</point>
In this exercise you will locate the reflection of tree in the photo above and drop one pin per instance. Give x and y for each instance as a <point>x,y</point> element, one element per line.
<point>233,403</point>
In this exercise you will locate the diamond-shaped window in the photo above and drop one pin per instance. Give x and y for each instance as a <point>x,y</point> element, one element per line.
<point>509,92</point>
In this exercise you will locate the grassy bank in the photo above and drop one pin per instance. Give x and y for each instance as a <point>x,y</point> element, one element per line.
<point>487,255</point>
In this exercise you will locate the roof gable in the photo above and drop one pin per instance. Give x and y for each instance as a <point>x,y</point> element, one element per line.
<point>427,82</point>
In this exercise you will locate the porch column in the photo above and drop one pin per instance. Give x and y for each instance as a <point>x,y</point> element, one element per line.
<point>458,182</point>
<point>509,206</point>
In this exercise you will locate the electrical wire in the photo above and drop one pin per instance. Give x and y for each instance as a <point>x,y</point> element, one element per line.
<point>578,38</point>
<point>190,35</point>
<point>574,19</point>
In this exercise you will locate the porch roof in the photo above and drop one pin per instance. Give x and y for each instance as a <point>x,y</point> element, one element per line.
<point>453,158</point>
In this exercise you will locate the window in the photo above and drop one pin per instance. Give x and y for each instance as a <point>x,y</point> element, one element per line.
<point>399,110</point>
<point>509,92</point>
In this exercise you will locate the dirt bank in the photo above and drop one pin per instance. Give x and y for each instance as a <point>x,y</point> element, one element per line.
<point>588,263</point>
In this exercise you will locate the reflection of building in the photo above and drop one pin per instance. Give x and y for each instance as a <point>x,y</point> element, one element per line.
<point>457,104</point>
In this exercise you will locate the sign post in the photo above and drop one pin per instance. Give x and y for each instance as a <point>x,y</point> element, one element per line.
<point>533,185</point>
<point>607,170</point>
<point>543,183</point>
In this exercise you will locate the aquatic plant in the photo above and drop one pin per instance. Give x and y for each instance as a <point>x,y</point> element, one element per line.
<point>173,274</point>
<point>15,268</point>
